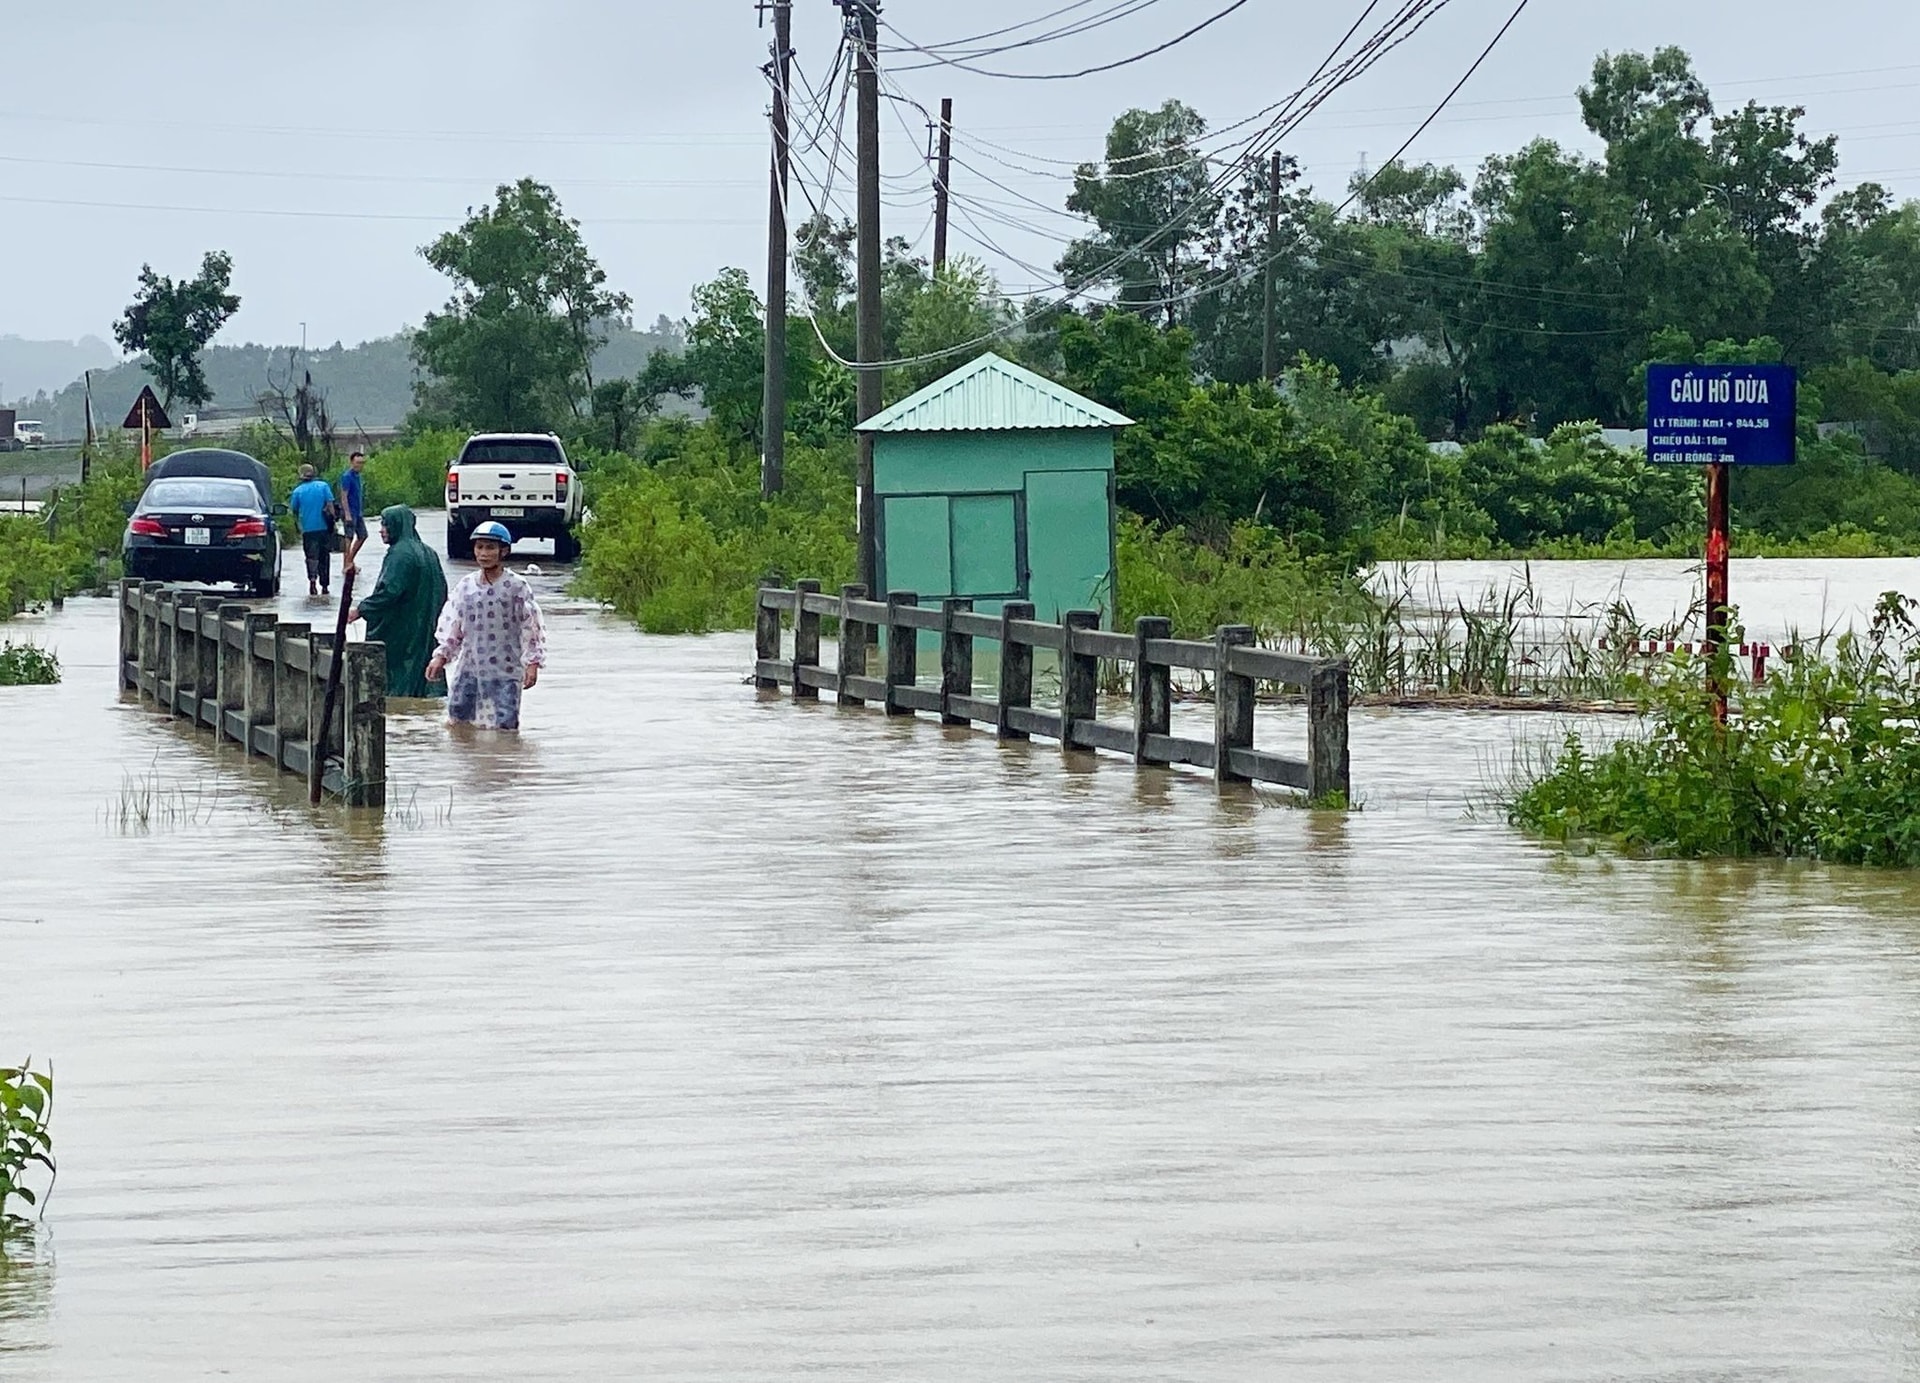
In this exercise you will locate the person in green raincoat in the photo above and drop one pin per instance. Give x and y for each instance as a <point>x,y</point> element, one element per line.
<point>405,605</point>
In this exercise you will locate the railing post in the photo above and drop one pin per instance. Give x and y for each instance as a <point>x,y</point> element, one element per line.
<point>150,636</point>
<point>1079,676</point>
<point>1152,688</point>
<point>766,639</point>
<point>903,651</point>
<point>230,682</point>
<point>206,681</point>
<point>185,657</point>
<point>853,644</point>
<point>956,660</point>
<point>1328,699</point>
<point>1232,703</point>
<point>322,736</point>
<point>364,755</point>
<point>257,698</point>
<point>129,633</point>
<point>290,689</point>
<point>1016,668</point>
<point>806,638</point>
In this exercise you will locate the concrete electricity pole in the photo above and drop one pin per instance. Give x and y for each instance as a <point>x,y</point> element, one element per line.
<point>870,349</point>
<point>1267,343</point>
<point>773,413</point>
<point>941,181</point>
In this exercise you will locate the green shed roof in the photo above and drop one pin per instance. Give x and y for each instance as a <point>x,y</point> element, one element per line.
<point>993,395</point>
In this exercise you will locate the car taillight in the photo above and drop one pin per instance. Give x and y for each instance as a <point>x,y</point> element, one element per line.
<point>453,486</point>
<point>560,486</point>
<point>247,528</point>
<point>148,528</point>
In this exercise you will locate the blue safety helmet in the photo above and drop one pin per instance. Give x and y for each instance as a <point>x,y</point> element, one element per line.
<point>494,530</point>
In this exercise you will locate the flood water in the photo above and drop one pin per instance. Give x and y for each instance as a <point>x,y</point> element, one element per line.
<point>697,1034</point>
<point>1780,600</point>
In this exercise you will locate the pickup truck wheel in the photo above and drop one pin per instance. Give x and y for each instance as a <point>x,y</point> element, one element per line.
<point>566,546</point>
<point>459,542</point>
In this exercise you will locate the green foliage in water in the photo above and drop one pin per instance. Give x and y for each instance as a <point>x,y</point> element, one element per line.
<point>1252,576</point>
<point>59,548</point>
<point>680,538</point>
<point>26,1142</point>
<point>27,665</point>
<point>413,471</point>
<point>1822,762</point>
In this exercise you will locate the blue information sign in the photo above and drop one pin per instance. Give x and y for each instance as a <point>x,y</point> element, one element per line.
<point>1737,415</point>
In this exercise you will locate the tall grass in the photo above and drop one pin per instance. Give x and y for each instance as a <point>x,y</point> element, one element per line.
<point>1401,641</point>
<point>1821,762</point>
<point>680,545</point>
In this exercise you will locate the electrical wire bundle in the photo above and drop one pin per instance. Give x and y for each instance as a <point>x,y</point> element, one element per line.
<point>1227,160</point>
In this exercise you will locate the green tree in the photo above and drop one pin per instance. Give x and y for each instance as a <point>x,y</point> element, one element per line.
<point>1153,206</point>
<point>959,306</point>
<point>515,342</point>
<point>726,352</point>
<point>173,322</point>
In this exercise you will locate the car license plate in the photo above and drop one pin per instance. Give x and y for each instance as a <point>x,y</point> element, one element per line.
<point>509,513</point>
<point>199,537</point>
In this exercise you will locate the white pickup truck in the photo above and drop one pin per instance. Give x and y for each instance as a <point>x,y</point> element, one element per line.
<point>524,480</point>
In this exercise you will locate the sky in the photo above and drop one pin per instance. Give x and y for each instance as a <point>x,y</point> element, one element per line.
<point>322,148</point>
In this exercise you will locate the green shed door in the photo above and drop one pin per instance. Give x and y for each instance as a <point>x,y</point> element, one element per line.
<point>986,558</point>
<point>918,553</point>
<point>1069,543</point>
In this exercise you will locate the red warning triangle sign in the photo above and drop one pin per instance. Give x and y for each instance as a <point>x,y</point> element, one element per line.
<point>146,412</point>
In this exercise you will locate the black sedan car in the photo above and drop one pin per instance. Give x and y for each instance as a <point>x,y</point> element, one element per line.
<point>204,528</point>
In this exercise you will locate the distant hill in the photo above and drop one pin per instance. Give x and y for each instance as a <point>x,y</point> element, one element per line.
<point>31,367</point>
<point>370,384</point>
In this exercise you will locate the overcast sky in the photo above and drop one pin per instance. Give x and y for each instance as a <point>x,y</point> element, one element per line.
<point>323,146</point>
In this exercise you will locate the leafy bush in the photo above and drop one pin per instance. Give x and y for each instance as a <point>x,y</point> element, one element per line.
<point>26,1107</point>
<point>412,472</point>
<point>27,665</point>
<point>681,545</point>
<point>1821,762</point>
<point>1254,577</point>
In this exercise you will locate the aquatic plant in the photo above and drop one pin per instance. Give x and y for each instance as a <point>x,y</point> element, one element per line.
<point>27,665</point>
<point>145,803</point>
<point>26,1141</point>
<point>1821,762</point>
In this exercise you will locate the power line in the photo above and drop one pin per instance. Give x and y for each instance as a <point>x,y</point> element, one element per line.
<point>1206,23</point>
<point>1113,14</point>
<point>320,213</point>
<point>1413,12</point>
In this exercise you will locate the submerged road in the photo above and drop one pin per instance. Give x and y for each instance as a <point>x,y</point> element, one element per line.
<point>696,1034</point>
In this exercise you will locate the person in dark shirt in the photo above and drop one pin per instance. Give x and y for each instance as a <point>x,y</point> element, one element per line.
<point>353,509</point>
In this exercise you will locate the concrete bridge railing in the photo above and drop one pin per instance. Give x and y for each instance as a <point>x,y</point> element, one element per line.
<point>1229,660</point>
<point>254,681</point>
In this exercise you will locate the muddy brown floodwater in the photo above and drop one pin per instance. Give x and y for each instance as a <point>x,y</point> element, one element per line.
<point>701,1035</point>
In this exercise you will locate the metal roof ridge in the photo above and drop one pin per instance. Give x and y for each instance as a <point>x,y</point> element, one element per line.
<point>1016,399</point>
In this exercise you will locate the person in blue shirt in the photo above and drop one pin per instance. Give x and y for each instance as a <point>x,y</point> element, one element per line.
<point>312,506</point>
<point>353,508</point>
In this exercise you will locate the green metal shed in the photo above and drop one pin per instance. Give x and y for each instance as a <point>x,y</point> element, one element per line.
<point>997,484</point>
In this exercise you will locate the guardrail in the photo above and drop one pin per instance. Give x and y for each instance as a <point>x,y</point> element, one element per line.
<point>231,668</point>
<point>1230,659</point>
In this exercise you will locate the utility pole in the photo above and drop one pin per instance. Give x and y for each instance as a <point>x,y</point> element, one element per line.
<point>773,414</point>
<point>941,183</point>
<point>866,16</point>
<point>1267,342</point>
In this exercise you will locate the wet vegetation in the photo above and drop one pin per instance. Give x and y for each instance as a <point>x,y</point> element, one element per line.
<point>1821,762</point>
<point>27,1166</point>
<point>27,665</point>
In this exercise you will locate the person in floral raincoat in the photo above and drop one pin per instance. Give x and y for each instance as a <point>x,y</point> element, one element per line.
<point>492,635</point>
